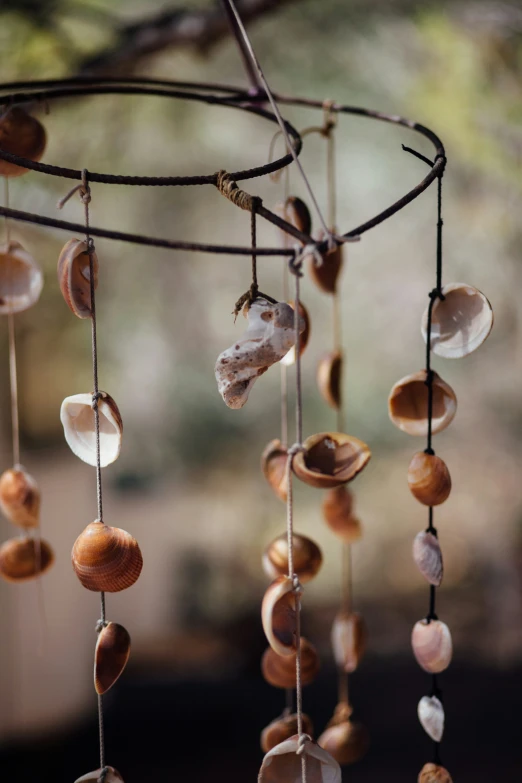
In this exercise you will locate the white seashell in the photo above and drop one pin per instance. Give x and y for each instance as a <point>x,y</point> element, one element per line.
<point>21,279</point>
<point>431,717</point>
<point>112,776</point>
<point>269,336</point>
<point>432,645</point>
<point>278,616</point>
<point>77,417</point>
<point>283,765</point>
<point>428,557</point>
<point>348,640</point>
<point>460,322</point>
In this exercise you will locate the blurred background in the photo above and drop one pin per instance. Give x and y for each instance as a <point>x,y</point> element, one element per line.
<point>188,485</point>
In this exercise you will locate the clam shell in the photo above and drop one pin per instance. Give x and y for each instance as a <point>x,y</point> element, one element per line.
<point>428,557</point>
<point>408,404</point>
<point>326,275</point>
<point>274,466</point>
<point>21,279</point>
<point>77,417</point>
<point>106,559</point>
<point>307,557</point>
<point>346,742</point>
<point>283,765</point>
<point>348,640</point>
<point>22,135</point>
<point>294,211</point>
<point>329,375</point>
<point>337,513</point>
<point>433,773</point>
<point>111,656</point>
<point>330,459</point>
<point>112,776</point>
<point>283,728</point>
<point>24,558</point>
<point>279,670</point>
<point>429,479</point>
<point>74,275</point>
<point>278,615</point>
<point>460,323</point>
<point>431,717</point>
<point>432,646</point>
<point>289,358</point>
<point>20,497</point>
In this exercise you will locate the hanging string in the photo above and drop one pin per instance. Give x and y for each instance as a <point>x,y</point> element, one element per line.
<point>13,377</point>
<point>253,292</point>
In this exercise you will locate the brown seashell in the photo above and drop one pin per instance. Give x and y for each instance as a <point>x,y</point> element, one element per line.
<point>329,374</point>
<point>77,417</point>
<point>24,558</point>
<point>22,135</point>
<point>21,279</point>
<point>431,717</point>
<point>111,656</point>
<point>428,557</point>
<point>20,497</point>
<point>106,559</point>
<point>307,557</point>
<point>348,640</point>
<point>429,479</point>
<point>325,276</point>
<point>460,323</point>
<point>278,615</point>
<point>274,461</point>
<point>337,513</point>
<point>347,742</point>
<point>432,646</point>
<point>282,764</point>
<point>295,211</point>
<point>279,670</point>
<point>282,729</point>
<point>112,776</point>
<point>304,336</point>
<point>330,459</point>
<point>408,404</point>
<point>74,277</point>
<point>433,773</point>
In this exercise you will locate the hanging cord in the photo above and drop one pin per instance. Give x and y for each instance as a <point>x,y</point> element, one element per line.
<point>253,292</point>
<point>13,376</point>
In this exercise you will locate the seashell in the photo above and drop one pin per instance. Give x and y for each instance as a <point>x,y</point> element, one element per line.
<point>77,417</point>
<point>308,557</point>
<point>346,742</point>
<point>432,647</point>
<point>325,276</point>
<point>348,640</point>
<point>433,773</point>
<point>429,479</point>
<point>329,375</point>
<point>24,558</point>
<point>337,513</point>
<point>279,670</point>
<point>111,656</point>
<point>330,459</point>
<point>21,279</point>
<point>431,717</point>
<point>278,615</point>
<point>282,764</point>
<point>269,336</point>
<point>22,135</point>
<point>289,358</point>
<point>294,211</point>
<point>283,728</point>
<point>112,776</point>
<point>408,404</point>
<point>74,276</point>
<point>20,497</point>
<point>106,559</point>
<point>428,557</point>
<point>460,323</point>
<point>274,460</point>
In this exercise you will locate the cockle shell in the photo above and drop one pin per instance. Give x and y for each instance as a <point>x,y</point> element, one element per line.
<point>428,557</point>
<point>433,773</point>
<point>289,358</point>
<point>22,135</point>
<point>348,640</point>
<point>330,459</point>
<point>283,728</point>
<point>326,274</point>
<point>347,742</point>
<point>429,479</point>
<point>408,404</point>
<point>74,276</point>
<point>282,764</point>
<point>274,460</point>
<point>106,559</point>
<point>431,717</point>
<point>279,670</point>
<point>337,513</point>
<point>278,615</point>
<point>308,557</point>
<point>24,558</point>
<point>269,336</point>
<point>21,279</point>
<point>112,776</point>
<point>460,322</point>
<point>329,371</point>
<point>432,646</point>
<point>294,211</point>
<point>20,497</point>
<point>111,656</point>
<point>77,417</point>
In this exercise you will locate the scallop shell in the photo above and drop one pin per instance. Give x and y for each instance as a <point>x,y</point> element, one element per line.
<point>431,717</point>
<point>269,336</point>
<point>460,322</point>
<point>112,776</point>
<point>77,417</point>
<point>432,646</point>
<point>429,479</point>
<point>408,404</point>
<point>347,742</point>
<point>337,513</point>
<point>282,764</point>
<point>329,376</point>
<point>20,497</point>
<point>21,279</point>
<point>428,557</point>
<point>274,462</point>
<point>278,615</point>
<point>283,728</point>
<point>279,670</point>
<point>348,640</point>
<point>22,135</point>
<point>74,276</point>
<point>307,557</point>
<point>106,559</point>
<point>111,656</point>
<point>433,773</point>
<point>294,211</point>
<point>325,276</point>
<point>24,558</point>
<point>330,459</point>
<point>289,358</point>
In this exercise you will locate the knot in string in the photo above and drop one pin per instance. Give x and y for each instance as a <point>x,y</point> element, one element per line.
<point>301,743</point>
<point>436,293</point>
<point>101,624</point>
<point>95,397</point>
<point>296,585</point>
<point>103,774</point>
<point>295,449</point>
<point>229,188</point>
